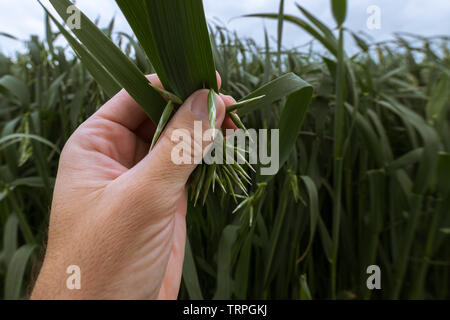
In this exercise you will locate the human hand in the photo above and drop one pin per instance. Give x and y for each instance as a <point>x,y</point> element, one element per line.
<point>118,211</point>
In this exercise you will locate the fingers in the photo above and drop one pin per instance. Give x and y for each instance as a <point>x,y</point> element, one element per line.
<point>146,131</point>
<point>219,80</point>
<point>228,123</point>
<point>124,110</point>
<point>228,100</point>
<point>154,80</point>
<point>175,156</point>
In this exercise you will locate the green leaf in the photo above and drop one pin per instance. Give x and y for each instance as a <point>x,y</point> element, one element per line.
<point>313,211</point>
<point>443,172</point>
<point>142,61</point>
<point>284,86</point>
<point>16,136</point>
<point>15,87</point>
<point>53,91</point>
<point>268,61</point>
<point>118,64</point>
<point>100,74</point>
<point>8,35</point>
<point>439,100</point>
<point>316,34</point>
<point>325,238</point>
<point>168,95</point>
<point>16,272</point>
<point>292,117</point>
<point>49,35</point>
<point>243,268</point>
<point>299,94</point>
<point>168,110</point>
<point>280,33</point>
<point>33,182</point>
<point>377,189</point>
<point>10,239</point>
<point>339,153</point>
<point>305,293</point>
<point>339,8</point>
<point>224,279</point>
<point>242,103</point>
<point>328,34</point>
<point>276,233</point>
<point>212,110</point>
<point>362,44</point>
<point>190,277</point>
<point>175,37</point>
<point>368,135</point>
<point>428,161</point>
<point>137,16</point>
<point>237,121</point>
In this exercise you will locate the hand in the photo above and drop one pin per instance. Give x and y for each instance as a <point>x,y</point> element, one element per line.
<point>118,211</point>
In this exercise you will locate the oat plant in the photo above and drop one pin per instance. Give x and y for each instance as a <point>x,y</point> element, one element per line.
<point>174,36</point>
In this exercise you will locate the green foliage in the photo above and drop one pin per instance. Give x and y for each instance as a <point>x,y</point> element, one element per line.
<point>365,174</point>
<point>339,9</point>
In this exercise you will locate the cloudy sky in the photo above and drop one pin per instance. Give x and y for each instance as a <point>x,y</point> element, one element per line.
<point>22,18</point>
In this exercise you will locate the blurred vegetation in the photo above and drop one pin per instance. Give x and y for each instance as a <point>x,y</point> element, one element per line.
<point>309,237</point>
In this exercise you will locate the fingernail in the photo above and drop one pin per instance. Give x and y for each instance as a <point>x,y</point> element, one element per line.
<point>199,106</point>
<point>226,96</point>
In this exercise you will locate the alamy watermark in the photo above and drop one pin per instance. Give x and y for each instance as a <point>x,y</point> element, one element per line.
<point>374,280</point>
<point>252,146</point>
<point>374,20</point>
<point>74,19</point>
<point>73,282</point>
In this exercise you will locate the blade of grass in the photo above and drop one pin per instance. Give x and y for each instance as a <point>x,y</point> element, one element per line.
<point>118,64</point>
<point>339,9</point>
<point>242,103</point>
<point>313,210</point>
<point>212,109</point>
<point>137,16</point>
<point>16,272</point>
<point>183,48</point>
<point>10,237</point>
<point>165,117</point>
<point>224,288</point>
<point>280,33</point>
<point>275,90</point>
<point>190,277</point>
<point>339,126</point>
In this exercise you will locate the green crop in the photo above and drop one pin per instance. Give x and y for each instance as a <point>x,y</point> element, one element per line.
<point>365,170</point>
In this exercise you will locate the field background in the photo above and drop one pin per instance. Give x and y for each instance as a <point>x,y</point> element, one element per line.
<point>290,241</point>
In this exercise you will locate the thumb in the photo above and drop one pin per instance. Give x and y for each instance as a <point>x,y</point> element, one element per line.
<point>180,147</point>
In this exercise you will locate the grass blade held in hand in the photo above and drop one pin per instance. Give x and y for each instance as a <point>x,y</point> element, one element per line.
<point>182,45</point>
<point>212,110</point>
<point>167,113</point>
<point>117,63</point>
<point>242,103</point>
<point>100,74</point>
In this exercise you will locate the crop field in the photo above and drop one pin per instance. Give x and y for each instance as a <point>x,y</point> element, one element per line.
<point>365,180</point>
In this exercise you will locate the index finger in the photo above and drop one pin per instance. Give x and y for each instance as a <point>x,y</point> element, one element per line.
<point>124,110</point>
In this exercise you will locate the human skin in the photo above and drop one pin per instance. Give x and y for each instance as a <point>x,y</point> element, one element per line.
<point>118,211</point>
